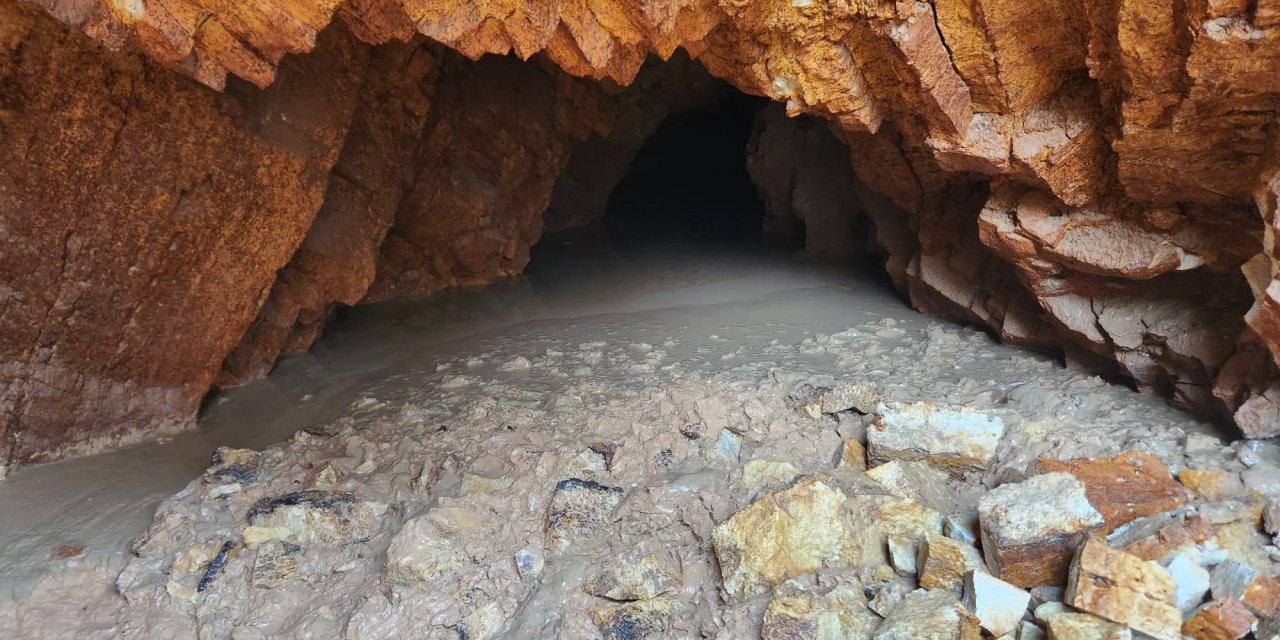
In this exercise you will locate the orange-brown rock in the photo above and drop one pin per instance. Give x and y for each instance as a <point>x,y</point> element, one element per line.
<point>1124,487</point>
<point>1167,540</point>
<point>1121,588</point>
<point>1211,484</point>
<point>1099,179</point>
<point>1220,620</point>
<point>1030,530</point>
<point>143,217</point>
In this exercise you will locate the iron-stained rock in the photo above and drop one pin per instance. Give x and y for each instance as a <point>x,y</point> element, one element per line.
<point>944,563</point>
<point>1124,487</point>
<point>1030,529</point>
<point>1122,588</point>
<point>1238,581</point>
<point>1084,626</point>
<point>1220,620</point>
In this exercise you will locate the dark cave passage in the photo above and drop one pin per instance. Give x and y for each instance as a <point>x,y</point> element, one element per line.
<point>689,182</point>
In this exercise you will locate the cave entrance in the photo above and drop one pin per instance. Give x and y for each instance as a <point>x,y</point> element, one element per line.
<point>689,182</point>
<point>709,166</point>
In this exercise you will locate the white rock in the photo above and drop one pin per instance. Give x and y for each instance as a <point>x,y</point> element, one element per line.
<point>1029,631</point>
<point>949,438</point>
<point>998,605</point>
<point>902,555</point>
<point>962,527</point>
<point>1192,581</point>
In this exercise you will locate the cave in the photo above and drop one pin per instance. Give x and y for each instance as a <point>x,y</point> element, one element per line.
<point>689,181</point>
<point>781,320</point>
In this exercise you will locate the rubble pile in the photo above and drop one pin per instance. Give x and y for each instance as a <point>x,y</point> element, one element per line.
<point>764,501</point>
<point>1108,547</point>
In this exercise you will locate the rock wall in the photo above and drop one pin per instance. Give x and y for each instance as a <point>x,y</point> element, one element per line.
<point>143,218</point>
<point>1099,177</point>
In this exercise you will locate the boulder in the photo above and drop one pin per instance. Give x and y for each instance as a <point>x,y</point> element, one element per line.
<point>1030,529</point>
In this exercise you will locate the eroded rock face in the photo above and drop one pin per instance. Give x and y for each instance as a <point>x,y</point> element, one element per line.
<point>1099,178</point>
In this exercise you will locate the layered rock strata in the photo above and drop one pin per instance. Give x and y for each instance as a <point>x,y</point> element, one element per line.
<point>1099,178</point>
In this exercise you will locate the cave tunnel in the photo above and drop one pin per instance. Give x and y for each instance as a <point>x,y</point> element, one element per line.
<point>500,350</point>
<point>689,182</point>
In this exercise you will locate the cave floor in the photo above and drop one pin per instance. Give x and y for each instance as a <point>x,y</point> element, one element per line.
<point>442,431</point>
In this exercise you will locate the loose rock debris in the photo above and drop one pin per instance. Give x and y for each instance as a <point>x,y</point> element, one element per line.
<point>761,504</point>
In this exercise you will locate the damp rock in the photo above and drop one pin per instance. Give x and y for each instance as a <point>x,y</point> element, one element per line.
<point>951,439</point>
<point>836,398</point>
<point>635,620</point>
<point>768,475</point>
<point>929,615</point>
<point>439,542</point>
<point>275,563</point>
<point>729,446</point>
<point>195,559</point>
<point>916,481</point>
<point>641,572</point>
<point>580,509</point>
<point>693,431</point>
<point>1030,530</point>
<point>1124,589</point>
<point>484,623</point>
<point>529,562</point>
<point>313,515</point>
<point>796,612</point>
<point>888,596</point>
<point>998,605</point>
<point>240,466</point>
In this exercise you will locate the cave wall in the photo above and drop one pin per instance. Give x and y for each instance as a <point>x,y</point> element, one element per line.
<point>142,217</point>
<point>1096,177</point>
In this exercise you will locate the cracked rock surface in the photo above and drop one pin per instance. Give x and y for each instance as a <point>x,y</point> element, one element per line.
<point>188,188</point>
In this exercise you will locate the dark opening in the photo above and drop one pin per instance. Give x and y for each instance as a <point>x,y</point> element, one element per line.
<point>689,182</point>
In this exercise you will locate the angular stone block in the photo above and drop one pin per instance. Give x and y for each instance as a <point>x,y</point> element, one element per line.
<point>944,562</point>
<point>1124,487</point>
<point>998,605</point>
<point>1220,620</point>
<point>1030,529</point>
<point>1124,589</point>
<point>953,439</point>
